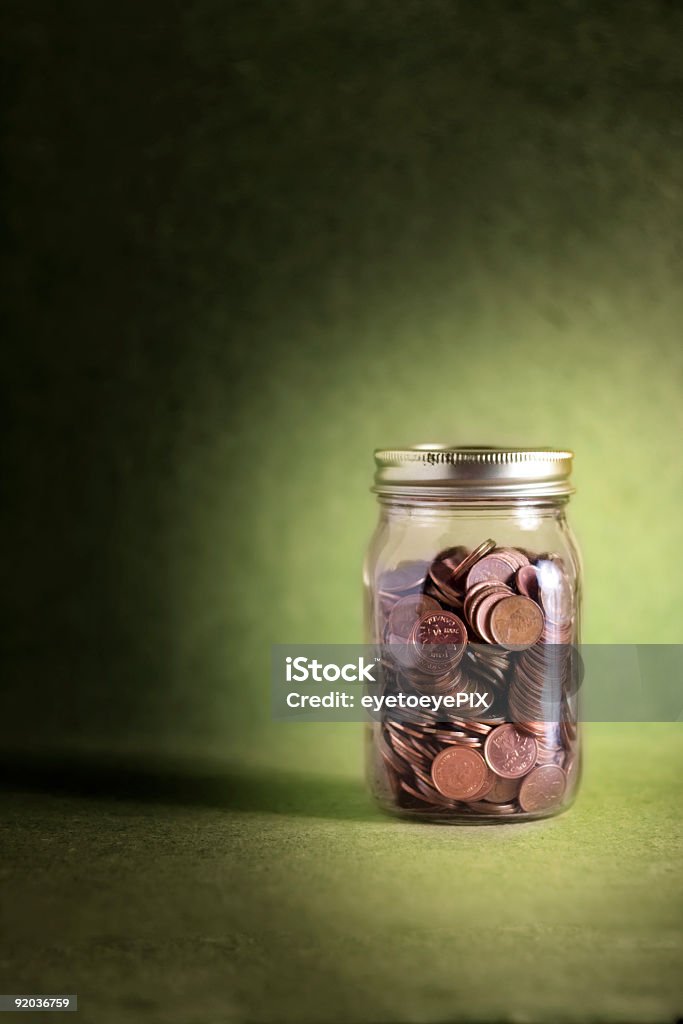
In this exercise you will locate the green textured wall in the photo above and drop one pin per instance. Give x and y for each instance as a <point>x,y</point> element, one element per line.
<point>248,243</point>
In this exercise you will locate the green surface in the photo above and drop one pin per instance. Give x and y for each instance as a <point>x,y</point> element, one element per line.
<point>247,243</point>
<point>278,898</point>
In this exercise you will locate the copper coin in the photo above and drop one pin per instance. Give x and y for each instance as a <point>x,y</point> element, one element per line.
<point>439,640</point>
<point>415,793</point>
<point>542,788</point>
<point>503,790</point>
<point>474,592</point>
<point>484,609</point>
<point>486,786</point>
<point>516,622</point>
<point>440,575</point>
<point>492,567</point>
<point>510,752</point>
<point>459,772</point>
<point>466,564</point>
<point>513,555</point>
<point>389,756</point>
<point>433,794</point>
<point>481,590</point>
<point>442,568</point>
<point>453,556</point>
<point>405,613</point>
<point>526,579</point>
<point>443,594</point>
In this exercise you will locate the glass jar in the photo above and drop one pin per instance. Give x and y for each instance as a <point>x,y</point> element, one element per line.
<point>472,583</point>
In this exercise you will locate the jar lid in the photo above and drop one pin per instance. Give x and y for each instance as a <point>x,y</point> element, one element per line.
<point>473,472</point>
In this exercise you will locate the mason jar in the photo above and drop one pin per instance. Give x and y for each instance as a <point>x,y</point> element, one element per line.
<point>473,592</point>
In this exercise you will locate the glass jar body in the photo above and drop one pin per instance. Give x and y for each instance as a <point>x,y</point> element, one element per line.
<point>479,605</point>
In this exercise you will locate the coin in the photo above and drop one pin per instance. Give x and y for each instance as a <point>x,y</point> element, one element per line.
<point>479,591</point>
<point>542,788</point>
<point>526,580</point>
<point>492,567</point>
<point>405,613</point>
<point>510,752</point>
<point>466,564</point>
<point>514,556</point>
<point>444,565</point>
<point>389,755</point>
<point>503,790</point>
<point>459,772</point>
<point>448,599</point>
<point>486,786</point>
<point>516,622</point>
<point>474,592</point>
<point>439,640</point>
<point>421,609</point>
<point>482,613</point>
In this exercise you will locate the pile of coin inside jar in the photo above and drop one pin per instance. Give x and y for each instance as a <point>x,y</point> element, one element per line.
<point>496,622</point>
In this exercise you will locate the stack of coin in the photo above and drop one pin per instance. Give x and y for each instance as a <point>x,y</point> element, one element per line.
<point>491,665</point>
<point>448,573</point>
<point>466,768</point>
<point>495,621</point>
<point>544,674</point>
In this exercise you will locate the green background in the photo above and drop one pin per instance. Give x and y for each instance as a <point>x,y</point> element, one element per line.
<point>247,243</point>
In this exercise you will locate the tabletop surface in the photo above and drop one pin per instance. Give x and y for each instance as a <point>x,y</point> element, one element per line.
<point>265,897</point>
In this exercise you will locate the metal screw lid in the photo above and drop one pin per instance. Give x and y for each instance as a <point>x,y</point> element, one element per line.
<point>445,470</point>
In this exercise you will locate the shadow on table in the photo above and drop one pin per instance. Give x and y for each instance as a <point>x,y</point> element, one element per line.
<point>163,781</point>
